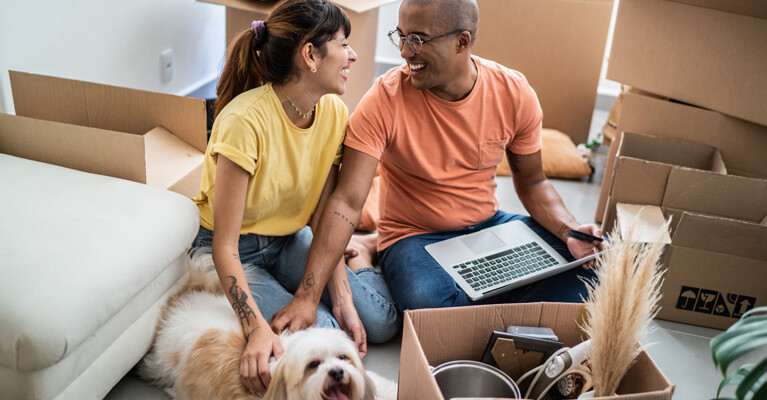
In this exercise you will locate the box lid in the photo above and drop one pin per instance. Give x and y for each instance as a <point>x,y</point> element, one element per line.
<point>357,6</point>
<point>721,235</point>
<point>108,107</point>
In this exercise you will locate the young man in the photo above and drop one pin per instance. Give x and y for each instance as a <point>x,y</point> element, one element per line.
<point>439,125</point>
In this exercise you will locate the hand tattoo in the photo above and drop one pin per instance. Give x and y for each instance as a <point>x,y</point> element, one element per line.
<point>240,303</point>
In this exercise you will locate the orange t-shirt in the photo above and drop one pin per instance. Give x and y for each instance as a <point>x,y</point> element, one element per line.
<point>437,157</point>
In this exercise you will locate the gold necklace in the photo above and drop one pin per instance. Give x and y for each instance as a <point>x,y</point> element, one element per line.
<point>301,113</point>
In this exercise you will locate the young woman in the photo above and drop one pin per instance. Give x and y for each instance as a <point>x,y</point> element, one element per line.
<point>271,162</point>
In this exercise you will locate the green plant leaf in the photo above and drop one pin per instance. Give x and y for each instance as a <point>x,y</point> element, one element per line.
<point>761,393</point>
<point>751,381</point>
<point>738,346</point>
<point>748,320</point>
<point>734,378</point>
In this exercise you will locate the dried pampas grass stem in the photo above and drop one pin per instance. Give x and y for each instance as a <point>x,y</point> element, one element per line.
<point>620,307</point>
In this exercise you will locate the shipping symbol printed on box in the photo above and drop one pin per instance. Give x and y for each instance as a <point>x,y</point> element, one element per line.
<point>708,301</point>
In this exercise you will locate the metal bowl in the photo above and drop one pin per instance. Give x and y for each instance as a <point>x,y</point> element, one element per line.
<point>465,378</point>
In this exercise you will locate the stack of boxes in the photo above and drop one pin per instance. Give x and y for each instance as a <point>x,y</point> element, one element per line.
<point>690,145</point>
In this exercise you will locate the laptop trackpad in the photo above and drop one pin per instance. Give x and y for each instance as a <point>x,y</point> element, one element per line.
<point>482,241</point>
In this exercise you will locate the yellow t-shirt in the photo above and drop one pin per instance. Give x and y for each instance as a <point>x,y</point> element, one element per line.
<point>288,166</point>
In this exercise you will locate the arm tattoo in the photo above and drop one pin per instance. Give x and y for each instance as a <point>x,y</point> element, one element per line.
<point>236,256</point>
<point>514,161</point>
<point>563,230</point>
<point>309,281</point>
<point>344,218</point>
<point>240,303</point>
<point>348,289</point>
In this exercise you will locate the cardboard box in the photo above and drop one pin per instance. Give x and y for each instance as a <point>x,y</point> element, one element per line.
<point>715,271</point>
<point>363,15</point>
<point>558,45</point>
<point>742,144</point>
<point>435,336</point>
<point>693,52</point>
<point>151,138</point>
<point>643,166</point>
<point>754,8</point>
<point>716,247</point>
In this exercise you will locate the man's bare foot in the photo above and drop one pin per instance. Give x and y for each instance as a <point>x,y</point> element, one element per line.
<point>366,246</point>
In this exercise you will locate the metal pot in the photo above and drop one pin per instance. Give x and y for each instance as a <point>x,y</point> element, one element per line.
<point>464,378</point>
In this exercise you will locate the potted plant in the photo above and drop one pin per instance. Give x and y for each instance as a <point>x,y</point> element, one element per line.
<point>743,337</point>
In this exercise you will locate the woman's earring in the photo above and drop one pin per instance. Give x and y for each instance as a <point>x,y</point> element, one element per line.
<point>314,69</point>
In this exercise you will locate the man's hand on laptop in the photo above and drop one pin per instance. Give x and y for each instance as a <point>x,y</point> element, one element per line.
<point>580,248</point>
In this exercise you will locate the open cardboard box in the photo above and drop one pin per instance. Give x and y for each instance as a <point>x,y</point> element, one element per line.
<point>643,165</point>
<point>146,137</point>
<point>363,15</point>
<point>558,45</point>
<point>716,254</point>
<point>742,144</point>
<point>435,336</point>
<point>701,52</point>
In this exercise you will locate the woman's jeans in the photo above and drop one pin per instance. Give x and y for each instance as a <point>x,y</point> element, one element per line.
<point>274,266</point>
<point>417,281</point>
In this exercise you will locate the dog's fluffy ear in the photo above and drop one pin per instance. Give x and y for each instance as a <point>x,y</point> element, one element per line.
<point>278,387</point>
<point>370,387</point>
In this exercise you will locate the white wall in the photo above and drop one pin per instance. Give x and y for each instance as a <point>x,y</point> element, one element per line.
<point>388,54</point>
<point>111,42</point>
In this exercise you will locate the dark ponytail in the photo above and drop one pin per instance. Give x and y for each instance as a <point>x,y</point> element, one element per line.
<point>251,63</point>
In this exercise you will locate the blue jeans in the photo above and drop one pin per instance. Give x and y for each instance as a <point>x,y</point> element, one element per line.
<point>417,281</point>
<point>274,266</point>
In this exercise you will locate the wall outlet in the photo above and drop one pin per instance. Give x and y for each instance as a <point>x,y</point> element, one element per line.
<point>166,58</point>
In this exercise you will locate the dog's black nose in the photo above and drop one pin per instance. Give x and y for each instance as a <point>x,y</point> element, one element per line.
<point>337,374</point>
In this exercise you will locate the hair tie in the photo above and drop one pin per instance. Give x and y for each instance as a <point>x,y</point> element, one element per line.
<point>259,32</point>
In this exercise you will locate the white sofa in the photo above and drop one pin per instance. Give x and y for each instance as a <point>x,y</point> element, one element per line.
<point>86,263</point>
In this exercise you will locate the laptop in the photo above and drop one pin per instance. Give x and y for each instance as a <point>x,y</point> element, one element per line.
<point>498,259</point>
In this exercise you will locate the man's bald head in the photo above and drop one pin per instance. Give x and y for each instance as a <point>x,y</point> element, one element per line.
<point>452,14</point>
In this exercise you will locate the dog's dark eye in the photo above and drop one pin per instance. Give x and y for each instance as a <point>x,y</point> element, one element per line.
<point>343,357</point>
<point>314,364</point>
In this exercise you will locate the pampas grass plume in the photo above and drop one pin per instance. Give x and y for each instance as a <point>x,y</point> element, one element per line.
<point>621,305</point>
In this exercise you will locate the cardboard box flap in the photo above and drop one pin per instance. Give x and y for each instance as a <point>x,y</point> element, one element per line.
<point>725,195</point>
<point>671,151</point>
<point>415,377</point>
<point>721,235</point>
<point>753,8</point>
<point>265,7</point>
<point>646,221</point>
<point>107,153</point>
<point>168,158</point>
<point>639,181</point>
<point>108,107</point>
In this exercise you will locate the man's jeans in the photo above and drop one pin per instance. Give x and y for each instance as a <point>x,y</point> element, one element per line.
<point>274,266</point>
<point>417,281</point>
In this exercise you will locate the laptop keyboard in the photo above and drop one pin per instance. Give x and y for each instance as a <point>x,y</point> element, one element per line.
<point>485,272</point>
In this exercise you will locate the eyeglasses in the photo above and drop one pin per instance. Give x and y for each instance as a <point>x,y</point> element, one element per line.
<point>413,41</point>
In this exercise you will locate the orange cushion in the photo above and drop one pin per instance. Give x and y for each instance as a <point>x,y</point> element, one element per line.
<point>559,156</point>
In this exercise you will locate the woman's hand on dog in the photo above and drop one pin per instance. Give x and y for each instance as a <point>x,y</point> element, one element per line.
<point>349,321</point>
<point>254,363</point>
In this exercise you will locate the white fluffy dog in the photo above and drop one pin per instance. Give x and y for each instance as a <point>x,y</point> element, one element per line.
<point>198,344</point>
